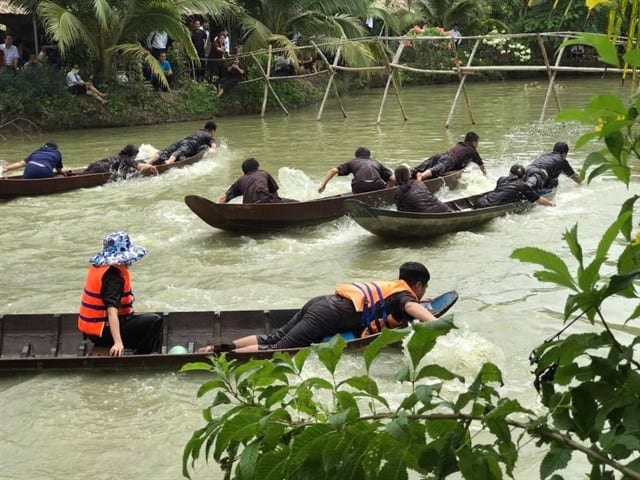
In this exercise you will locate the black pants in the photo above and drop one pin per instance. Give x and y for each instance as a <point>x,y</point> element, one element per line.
<point>140,332</point>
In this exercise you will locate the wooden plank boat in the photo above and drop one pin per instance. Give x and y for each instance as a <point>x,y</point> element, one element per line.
<point>16,186</point>
<point>395,224</point>
<point>34,342</point>
<point>270,217</point>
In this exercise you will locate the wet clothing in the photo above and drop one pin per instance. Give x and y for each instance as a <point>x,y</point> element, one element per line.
<point>368,174</point>
<point>42,163</point>
<point>110,286</point>
<point>257,186</point>
<point>544,172</point>
<point>187,147</point>
<point>325,316</point>
<point>456,158</point>
<point>120,166</point>
<point>508,189</point>
<point>416,197</point>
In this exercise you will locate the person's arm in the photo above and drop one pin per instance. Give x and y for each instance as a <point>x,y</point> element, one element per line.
<point>576,178</point>
<point>142,167</point>
<point>233,192</point>
<point>417,311</point>
<point>330,174</point>
<point>117,349</point>
<point>14,166</point>
<point>545,202</point>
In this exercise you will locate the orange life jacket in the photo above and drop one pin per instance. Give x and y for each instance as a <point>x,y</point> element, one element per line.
<point>369,298</point>
<point>93,313</point>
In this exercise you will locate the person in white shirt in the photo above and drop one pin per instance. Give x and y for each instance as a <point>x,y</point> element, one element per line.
<point>11,54</point>
<point>157,43</point>
<point>227,42</point>
<point>457,36</point>
<point>77,86</point>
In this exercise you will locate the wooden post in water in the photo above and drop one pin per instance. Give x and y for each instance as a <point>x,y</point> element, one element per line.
<point>389,69</point>
<point>268,83</point>
<point>396,57</point>
<point>332,73</point>
<point>550,87</point>
<point>266,88</point>
<point>548,66</point>
<point>462,88</point>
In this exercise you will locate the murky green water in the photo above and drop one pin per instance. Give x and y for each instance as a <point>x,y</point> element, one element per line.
<point>105,426</point>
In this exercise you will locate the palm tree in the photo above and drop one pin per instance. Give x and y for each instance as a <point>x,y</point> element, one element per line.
<point>445,13</point>
<point>274,22</point>
<point>108,28</point>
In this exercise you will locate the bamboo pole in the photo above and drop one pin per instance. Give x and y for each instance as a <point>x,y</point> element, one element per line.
<point>463,78</point>
<point>266,88</point>
<point>266,79</point>
<point>390,72</point>
<point>332,74</point>
<point>548,67</point>
<point>550,87</point>
<point>396,57</point>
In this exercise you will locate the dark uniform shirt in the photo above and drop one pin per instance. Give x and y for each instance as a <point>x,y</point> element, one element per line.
<point>187,147</point>
<point>112,287</point>
<point>508,189</point>
<point>368,174</point>
<point>416,197</point>
<point>456,158</point>
<point>553,164</point>
<point>255,187</point>
<point>121,165</point>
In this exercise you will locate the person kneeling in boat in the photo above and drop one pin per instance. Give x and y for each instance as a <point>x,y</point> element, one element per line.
<point>361,308</point>
<point>456,158</point>
<point>188,146</point>
<point>414,196</point>
<point>511,189</point>
<point>121,165</point>
<point>255,186</point>
<point>106,309</point>
<point>368,173</point>
<point>41,163</point>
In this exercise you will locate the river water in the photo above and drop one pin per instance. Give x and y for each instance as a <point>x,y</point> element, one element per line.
<point>103,426</point>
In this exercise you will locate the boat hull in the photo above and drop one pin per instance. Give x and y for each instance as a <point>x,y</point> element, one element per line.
<point>16,186</point>
<point>34,342</point>
<point>270,217</point>
<point>395,224</point>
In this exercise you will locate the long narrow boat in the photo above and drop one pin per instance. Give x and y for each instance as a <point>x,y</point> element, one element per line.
<point>16,186</point>
<point>34,342</point>
<point>395,224</point>
<point>270,217</point>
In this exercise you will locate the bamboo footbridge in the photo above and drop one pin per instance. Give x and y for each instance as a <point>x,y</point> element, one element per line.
<point>390,65</point>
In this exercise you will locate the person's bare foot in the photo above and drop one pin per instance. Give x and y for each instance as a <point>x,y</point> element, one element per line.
<point>206,349</point>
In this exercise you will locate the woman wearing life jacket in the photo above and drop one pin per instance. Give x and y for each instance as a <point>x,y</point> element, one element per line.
<point>106,309</point>
<point>362,308</point>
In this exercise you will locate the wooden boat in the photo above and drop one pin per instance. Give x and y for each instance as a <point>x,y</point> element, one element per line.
<point>395,224</point>
<point>16,186</point>
<point>270,217</point>
<point>34,342</point>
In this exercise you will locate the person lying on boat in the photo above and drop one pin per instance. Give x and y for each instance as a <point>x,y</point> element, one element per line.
<point>456,158</point>
<point>106,310</point>
<point>510,189</point>
<point>543,173</point>
<point>368,173</point>
<point>361,308</point>
<point>121,165</point>
<point>255,186</point>
<point>44,162</point>
<point>414,196</point>
<point>188,146</point>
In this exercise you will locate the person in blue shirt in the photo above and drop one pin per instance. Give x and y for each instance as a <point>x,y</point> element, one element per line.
<point>41,163</point>
<point>166,69</point>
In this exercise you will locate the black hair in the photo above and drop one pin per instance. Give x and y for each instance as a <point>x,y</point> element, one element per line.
<point>51,144</point>
<point>210,126</point>
<point>471,137</point>
<point>412,272</point>
<point>363,152</point>
<point>402,174</point>
<point>129,150</point>
<point>560,147</point>
<point>249,165</point>
<point>517,170</point>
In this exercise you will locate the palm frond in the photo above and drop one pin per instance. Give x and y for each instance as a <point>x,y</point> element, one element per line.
<point>64,27</point>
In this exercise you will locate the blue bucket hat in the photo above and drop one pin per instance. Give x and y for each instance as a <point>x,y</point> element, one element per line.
<point>118,250</point>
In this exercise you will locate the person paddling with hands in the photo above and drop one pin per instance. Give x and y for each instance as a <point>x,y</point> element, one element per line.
<point>106,309</point>
<point>368,173</point>
<point>41,163</point>
<point>361,308</point>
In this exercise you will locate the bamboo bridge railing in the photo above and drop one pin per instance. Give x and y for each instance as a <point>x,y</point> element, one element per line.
<point>390,66</point>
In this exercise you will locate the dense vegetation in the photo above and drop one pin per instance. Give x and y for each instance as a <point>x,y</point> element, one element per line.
<point>107,38</point>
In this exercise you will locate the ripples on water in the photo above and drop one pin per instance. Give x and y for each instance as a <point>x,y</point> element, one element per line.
<point>135,426</point>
